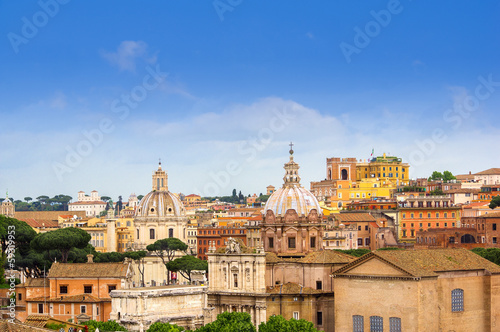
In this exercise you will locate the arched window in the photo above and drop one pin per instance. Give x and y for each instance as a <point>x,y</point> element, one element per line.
<point>376,324</point>
<point>152,233</point>
<point>358,323</point>
<point>395,324</point>
<point>457,300</point>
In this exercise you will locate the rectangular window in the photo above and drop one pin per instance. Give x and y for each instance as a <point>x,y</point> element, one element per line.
<point>394,324</point>
<point>495,239</point>
<point>83,309</point>
<point>360,242</point>
<point>271,242</point>
<point>376,324</point>
<point>291,242</point>
<point>319,318</point>
<point>62,308</point>
<point>494,227</point>
<point>313,242</point>
<point>358,324</point>
<point>319,285</point>
<point>235,278</point>
<point>295,315</point>
<point>40,308</point>
<point>87,289</point>
<point>63,289</point>
<point>457,300</point>
<point>170,232</point>
<point>111,288</point>
<point>19,296</point>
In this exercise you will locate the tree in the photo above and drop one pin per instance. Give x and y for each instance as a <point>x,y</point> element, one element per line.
<point>448,176</point>
<point>491,254</point>
<point>186,264</point>
<point>230,322</point>
<point>118,206</point>
<point>138,256</point>
<point>262,198</point>
<point>437,192</point>
<point>494,202</point>
<point>165,327</point>
<point>436,176</point>
<point>43,200</point>
<point>140,197</point>
<point>109,325</point>
<point>63,239</point>
<point>166,249</point>
<point>234,193</point>
<point>280,324</point>
<point>105,198</point>
<point>241,197</point>
<point>355,252</point>
<point>28,199</point>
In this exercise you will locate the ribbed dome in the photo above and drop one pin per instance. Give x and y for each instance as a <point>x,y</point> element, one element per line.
<point>160,204</point>
<point>292,195</point>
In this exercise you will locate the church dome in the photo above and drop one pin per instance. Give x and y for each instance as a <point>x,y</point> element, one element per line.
<point>160,202</point>
<point>292,195</point>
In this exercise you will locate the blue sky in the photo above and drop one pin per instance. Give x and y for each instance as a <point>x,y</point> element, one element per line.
<point>234,83</point>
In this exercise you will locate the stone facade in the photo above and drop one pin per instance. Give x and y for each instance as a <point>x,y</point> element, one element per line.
<point>7,208</point>
<point>237,281</point>
<point>136,309</point>
<point>418,290</point>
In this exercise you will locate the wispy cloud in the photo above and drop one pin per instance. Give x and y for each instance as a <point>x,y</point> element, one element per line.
<point>127,54</point>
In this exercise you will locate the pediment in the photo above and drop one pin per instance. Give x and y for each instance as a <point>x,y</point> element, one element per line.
<point>375,267</point>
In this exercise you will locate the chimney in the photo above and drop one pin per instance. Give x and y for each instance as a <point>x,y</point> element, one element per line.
<point>470,172</point>
<point>90,258</point>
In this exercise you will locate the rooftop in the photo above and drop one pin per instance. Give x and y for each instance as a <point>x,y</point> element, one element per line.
<point>88,270</point>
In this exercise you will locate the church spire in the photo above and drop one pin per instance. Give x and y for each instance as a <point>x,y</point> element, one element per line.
<point>291,177</point>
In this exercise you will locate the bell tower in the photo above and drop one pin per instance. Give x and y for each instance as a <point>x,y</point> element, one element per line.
<point>7,208</point>
<point>291,177</point>
<point>160,179</point>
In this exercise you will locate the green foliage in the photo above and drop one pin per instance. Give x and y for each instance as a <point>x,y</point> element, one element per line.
<point>355,252</point>
<point>445,176</point>
<point>164,327</point>
<point>495,202</point>
<point>390,248</point>
<point>230,322</point>
<point>437,192</point>
<point>279,324</point>
<point>44,203</point>
<point>110,325</point>
<point>491,254</point>
<point>262,198</point>
<point>63,239</point>
<point>166,248</point>
<point>54,326</point>
<point>186,264</point>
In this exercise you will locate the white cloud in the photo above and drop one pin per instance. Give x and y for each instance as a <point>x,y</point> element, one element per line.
<point>128,53</point>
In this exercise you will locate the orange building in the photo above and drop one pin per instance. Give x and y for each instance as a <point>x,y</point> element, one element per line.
<point>423,213</point>
<point>217,237</point>
<point>77,291</point>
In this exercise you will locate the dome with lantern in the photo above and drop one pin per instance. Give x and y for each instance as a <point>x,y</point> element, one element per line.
<point>292,196</point>
<point>160,202</point>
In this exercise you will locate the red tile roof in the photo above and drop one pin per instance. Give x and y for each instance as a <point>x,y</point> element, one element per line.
<point>88,270</point>
<point>39,223</point>
<point>353,217</point>
<point>491,171</point>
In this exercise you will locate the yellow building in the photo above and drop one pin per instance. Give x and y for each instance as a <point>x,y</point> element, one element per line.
<point>385,168</point>
<point>371,188</point>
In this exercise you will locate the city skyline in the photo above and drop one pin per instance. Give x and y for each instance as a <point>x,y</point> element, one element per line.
<point>93,94</point>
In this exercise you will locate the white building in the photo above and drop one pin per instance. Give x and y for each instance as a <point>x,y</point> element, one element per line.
<point>490,176</point>
<point>92,205</point>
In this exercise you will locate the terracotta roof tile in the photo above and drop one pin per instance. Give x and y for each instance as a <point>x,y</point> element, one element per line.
<point>6,326</point>
<point>491,215</point>
<point>88,270</point>
<point>39,223</point>
<point>427,262</point>
<point>327,257</point>
<point>491,171</point>
<point>37,282</point>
